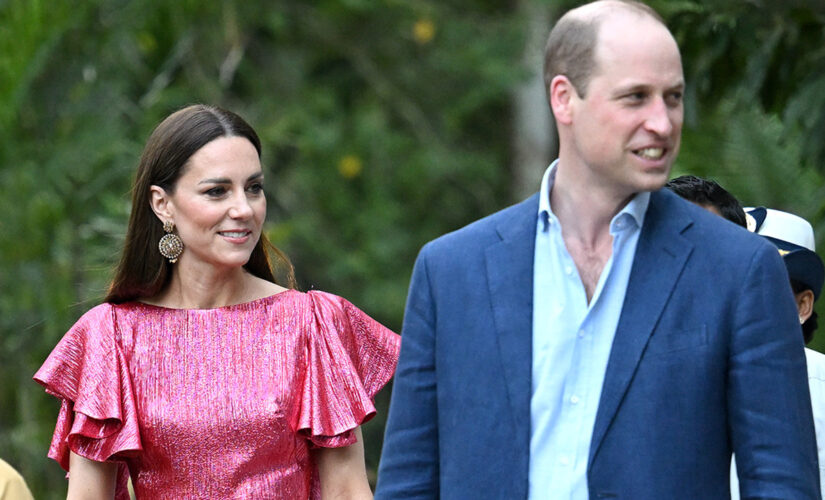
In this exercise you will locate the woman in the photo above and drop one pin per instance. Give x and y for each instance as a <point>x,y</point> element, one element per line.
<point>199,376</point>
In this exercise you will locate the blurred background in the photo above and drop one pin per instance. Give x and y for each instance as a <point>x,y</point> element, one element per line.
<point>385,123</point>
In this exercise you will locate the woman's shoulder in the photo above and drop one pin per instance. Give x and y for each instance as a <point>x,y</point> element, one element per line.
<point>100,310</point>
<point>98,316</point>
<point>265,294</point>
<point>335,315</point>
<point>95,326</point>
<point>329,308</point>
<point>260,288</point>
<point>350,356</point>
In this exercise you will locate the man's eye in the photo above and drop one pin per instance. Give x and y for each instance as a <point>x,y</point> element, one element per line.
<point>635,97</point>
<point>674,98</point>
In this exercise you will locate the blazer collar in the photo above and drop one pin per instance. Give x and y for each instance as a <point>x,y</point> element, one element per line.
<point>509,264</point>
<point>661,255</point>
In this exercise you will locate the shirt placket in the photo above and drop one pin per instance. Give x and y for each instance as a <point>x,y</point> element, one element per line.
<point>575,392</point>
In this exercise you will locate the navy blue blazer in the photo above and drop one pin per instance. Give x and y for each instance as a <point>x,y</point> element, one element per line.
<point>707,359</point>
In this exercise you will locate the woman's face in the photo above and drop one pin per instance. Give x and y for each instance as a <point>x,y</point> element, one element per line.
<point>218,205</point>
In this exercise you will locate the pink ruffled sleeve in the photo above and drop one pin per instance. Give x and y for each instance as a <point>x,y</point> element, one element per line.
<point>350,357</point>
<point>88,372</point>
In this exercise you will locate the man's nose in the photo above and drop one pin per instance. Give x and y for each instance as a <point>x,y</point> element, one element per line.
<point>659,119</point>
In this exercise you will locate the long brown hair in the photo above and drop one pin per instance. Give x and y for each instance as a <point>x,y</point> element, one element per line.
<point>142,271</point>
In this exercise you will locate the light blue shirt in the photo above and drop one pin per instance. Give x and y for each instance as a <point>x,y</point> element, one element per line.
<point>571,346</point>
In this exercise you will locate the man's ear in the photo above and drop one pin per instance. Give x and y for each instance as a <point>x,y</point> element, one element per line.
<point>804,304</point>
<point>161,203</point>
<point>562,94</point>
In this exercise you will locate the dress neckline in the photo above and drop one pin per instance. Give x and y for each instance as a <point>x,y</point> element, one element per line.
<point>259,301</point>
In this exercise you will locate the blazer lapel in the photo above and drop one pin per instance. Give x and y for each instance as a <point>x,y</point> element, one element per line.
<point>510,281</point>
<point>660,257</point>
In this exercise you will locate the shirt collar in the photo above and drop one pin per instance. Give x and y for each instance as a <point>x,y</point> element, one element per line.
<point>547,181</point>
<point>635,209</point>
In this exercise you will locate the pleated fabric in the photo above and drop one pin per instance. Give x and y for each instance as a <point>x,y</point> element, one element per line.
<point>217,403</point>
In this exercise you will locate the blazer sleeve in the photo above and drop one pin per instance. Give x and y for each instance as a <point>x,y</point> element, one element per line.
<point>769,406</point>
<point>409,461</point>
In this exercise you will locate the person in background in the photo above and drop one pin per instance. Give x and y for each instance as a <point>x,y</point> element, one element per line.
<point>12,485</point>
<point>709,195</point>
<point>199,376</point>
<point>794,237</point>
<point>571,346</point>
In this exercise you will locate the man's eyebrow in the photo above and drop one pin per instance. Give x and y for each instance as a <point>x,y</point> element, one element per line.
<point>631,89</point>
<point>644,87</point>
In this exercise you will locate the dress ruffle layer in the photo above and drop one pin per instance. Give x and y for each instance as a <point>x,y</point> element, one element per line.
<point>350,358</point>
<point>88,372</point>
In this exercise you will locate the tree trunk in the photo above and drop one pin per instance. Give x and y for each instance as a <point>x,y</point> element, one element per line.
<point>534,134</point>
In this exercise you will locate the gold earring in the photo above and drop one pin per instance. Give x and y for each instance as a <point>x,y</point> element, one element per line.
<point>170,246</point>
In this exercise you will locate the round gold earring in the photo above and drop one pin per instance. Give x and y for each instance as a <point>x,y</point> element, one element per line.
<point>170,246</point>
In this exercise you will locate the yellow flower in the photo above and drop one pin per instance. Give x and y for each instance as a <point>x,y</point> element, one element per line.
<point>146,42</point>
<point>350,166</point>
<point>423,31</point>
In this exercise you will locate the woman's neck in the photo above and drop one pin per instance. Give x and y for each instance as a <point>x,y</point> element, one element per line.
<point>206,288</point>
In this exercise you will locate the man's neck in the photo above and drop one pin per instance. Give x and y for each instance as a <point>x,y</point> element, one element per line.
<point>583,208</point>
<point>585,212</point>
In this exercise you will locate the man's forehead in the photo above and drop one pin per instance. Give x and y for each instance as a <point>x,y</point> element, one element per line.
<point>614,25</point>
<point>622,37</point>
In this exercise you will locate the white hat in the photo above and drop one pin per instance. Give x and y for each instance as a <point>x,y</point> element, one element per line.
<point>794,237</point>
<point>782,226</point>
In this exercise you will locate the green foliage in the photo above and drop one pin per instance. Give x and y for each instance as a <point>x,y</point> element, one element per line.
<point>755,97</point>
<point>385,123</point>
<point>769,53</point>
<point>382,125</point>
<point>757,158</point>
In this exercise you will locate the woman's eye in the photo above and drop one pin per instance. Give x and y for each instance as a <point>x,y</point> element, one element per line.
<point>256,188</point>
<point>215,191</point>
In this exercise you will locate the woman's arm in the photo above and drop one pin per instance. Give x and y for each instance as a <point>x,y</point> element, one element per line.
<point>90,480</point>
<point>342,471</point>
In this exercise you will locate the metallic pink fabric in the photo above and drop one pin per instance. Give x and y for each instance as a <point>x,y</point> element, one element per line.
<point>217,403</point>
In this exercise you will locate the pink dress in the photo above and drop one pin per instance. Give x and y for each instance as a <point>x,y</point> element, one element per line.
<point>217,403</point>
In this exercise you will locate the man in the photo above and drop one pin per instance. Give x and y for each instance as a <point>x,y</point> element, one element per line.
<point>709,195</point>
<point>572,346</point>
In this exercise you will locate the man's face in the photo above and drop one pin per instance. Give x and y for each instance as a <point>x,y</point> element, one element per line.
<point>711,208</point>
<point>627,128</point>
